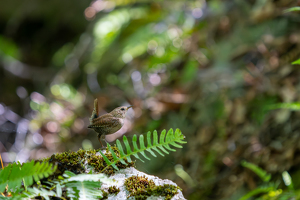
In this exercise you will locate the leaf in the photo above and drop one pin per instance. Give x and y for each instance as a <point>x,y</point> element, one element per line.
<point>164,143</point>
<point>34,192</point>
<point>290,106</point>
<point>90,177</point>
<point>84,190</point>
<point>84,186</point>
<point>297,8</point>
<point>108,161</point>
<point>4,174</point>
<point>260,172</point>
<point>258,190</point>
<point>14,174</point>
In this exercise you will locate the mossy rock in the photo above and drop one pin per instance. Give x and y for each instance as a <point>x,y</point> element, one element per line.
<point>134,184</point>
<point>85,161</point>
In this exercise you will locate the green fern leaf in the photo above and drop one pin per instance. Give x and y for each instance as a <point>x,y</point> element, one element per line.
<point>34,192</point>
<point>149,144</point>
<point>258,190</point>
<point>84,190</point>
<point>84,186</point>
<point>164,143</point>
<point>259,172</point>
<point>107,160</point>
<point>14,174</point>
<point>4,174</point>
<point>119,145</point>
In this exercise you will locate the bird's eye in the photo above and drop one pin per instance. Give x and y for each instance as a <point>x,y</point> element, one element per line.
<point>122,109</point>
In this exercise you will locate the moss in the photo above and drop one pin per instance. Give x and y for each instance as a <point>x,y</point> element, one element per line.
<point>113,190</point>
<point>141,188</point>
<point>99,164</point>
<point>74,161</point>
<point>104,194</point>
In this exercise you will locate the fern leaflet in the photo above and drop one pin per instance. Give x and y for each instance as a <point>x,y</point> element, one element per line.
<point>259,171</point>
<point>83,186</point>
<point>259,190</point>
<point>34,192</point>
<point>160,147</point>
<point>14,174</point>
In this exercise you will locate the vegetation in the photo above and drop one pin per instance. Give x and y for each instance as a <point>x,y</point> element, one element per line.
<point>163,144</point>
<point>85,186</point>
<point>270,190</point>
<point>12,176</point>
<point>141,188</point>
<point>226,73</point>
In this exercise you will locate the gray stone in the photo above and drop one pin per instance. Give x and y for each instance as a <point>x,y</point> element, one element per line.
<point>119,179</point>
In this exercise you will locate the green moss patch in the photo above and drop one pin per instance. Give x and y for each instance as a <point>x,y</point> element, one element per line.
<point>76,161</point>
<point>141,188</point>
<point>113,190</point>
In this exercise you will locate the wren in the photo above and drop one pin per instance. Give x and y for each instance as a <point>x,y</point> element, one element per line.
<point>108,123</point>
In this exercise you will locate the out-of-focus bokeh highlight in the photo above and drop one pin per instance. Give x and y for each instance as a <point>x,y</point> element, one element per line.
<point>210,68</point>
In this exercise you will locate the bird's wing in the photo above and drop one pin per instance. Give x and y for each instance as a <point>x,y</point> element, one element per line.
<point>106,120</point>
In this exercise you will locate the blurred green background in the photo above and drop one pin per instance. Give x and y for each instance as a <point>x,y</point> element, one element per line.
<point>210,67</point>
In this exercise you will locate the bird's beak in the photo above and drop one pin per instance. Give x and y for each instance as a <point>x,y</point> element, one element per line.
<point>129,107</point>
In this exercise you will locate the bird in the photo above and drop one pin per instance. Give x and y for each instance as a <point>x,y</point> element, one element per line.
<point>108,123</point>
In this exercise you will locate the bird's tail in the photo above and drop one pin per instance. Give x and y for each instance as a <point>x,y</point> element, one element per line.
<point>95,112</point>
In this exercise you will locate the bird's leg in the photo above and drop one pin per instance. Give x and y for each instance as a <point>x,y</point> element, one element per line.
<point>105,139</point>
<point>99,138</point>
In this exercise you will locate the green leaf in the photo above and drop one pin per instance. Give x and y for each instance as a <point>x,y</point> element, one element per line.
<point>296,62</point>
<point>163,144</point>
<point>108,161</point>
<point>297,8</point>
<point>84,190</point>
<point>14,174</point>
<point>85,186</point>
<point>258,190</point>
<point>259,172</point>
<point>34,192</point>
<point>290,106</point>
<point>4,174</point>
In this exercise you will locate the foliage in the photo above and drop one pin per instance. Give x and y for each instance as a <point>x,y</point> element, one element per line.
<point>164,141</point>
<point>292,9</point>
<point>290,106</point>
<point>196,65</point>
<point>82,186</point>
<point>259,172</point>
<point>141,188</point>
<point>269,190</point>
<point>14,174</point>
<point>296,62</point>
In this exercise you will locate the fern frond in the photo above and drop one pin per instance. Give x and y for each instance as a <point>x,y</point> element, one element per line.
<point>161,146</point>
<point>34,192</point>
<point>258,190</point>
<point>84,190</point>
<point>17,197</point>
<point>83,186</point>
<point>287,196</point>
<point>257,170</point>
<point>14,174</point>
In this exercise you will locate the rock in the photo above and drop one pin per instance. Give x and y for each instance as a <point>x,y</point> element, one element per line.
<point>120,177</point>
<point>127,183</point>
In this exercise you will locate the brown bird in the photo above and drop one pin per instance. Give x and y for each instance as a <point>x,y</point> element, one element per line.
<point>108,123</point>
